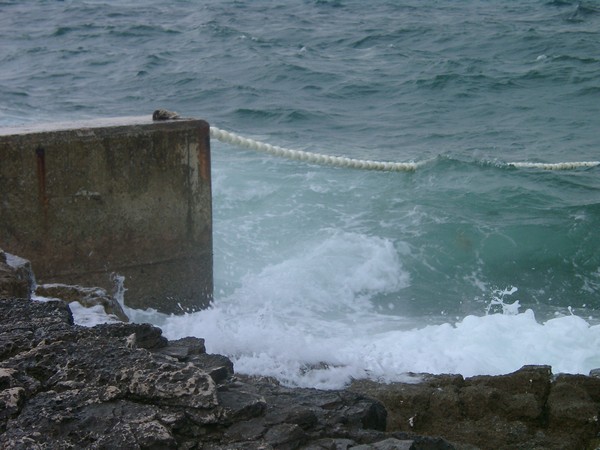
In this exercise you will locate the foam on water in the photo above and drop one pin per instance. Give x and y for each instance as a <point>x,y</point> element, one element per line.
<point>295,339</point>
<point>325,335</point>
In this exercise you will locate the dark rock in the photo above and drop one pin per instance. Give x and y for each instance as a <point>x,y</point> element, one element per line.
<point>163,114</point>
<point>433,443</point>
<point>86,296</point>
<point>191,349</point>
<point>219,367</point>
<point>331,408</point>
<point>286,436</point>
<point>125,386</point>
<point>134,335</point>
<point>190,345</point>
<point>85,386</point>
<point>249,430</point>
<point>331,444</point>
<point>16,277</point>
<point>387,444</point>
<point>23,327</point>
<point>571,406</point>
<point>240,404</point>
<point>525,409</point>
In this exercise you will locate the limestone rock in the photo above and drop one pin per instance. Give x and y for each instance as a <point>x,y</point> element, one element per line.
<point>126,386</point>
<point>85,296</point>
<point>528,408</point>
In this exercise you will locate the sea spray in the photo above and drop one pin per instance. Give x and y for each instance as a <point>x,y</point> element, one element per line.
<point>498,301</point>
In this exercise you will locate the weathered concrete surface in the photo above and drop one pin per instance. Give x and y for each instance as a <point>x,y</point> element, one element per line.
<point>128,196</point>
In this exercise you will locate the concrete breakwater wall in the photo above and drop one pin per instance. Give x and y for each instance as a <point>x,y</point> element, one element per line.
<point>85,201</point>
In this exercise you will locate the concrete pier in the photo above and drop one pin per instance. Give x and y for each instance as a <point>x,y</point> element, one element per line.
<point>86,201</point>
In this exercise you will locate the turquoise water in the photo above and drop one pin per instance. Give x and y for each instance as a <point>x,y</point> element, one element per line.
<point>370,272</point>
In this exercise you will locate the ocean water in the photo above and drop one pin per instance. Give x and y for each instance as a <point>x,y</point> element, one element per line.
<point>322,274</point>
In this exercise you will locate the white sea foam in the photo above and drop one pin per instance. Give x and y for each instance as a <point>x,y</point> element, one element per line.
<point>315,344</point>
<point>89,317</point>
<point>308,321</point>
<point>329,357</point>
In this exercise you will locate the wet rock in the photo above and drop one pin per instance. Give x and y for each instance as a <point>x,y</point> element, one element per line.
<point>191,349</point>
<point>286,436</point>
<point>126,386</point>
<point>133,335</point>
<point>87,297</point>
<point>186,347</point>
<point>219,367</point>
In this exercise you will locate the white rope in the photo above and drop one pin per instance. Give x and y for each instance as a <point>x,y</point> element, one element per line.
<point>555,166</point>
<point>341,161</point>
<point>310,157</point>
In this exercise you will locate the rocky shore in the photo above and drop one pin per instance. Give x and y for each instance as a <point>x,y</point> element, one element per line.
<point>124,385</point>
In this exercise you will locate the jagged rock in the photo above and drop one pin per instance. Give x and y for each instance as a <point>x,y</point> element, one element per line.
<point>92,385</point>
<point>187,347</point>
<point>286,436</point>
<point>86,296</point>
<point>331,444</point>
<point>191,349</point>
<point>525,409</point>
<point>388,444</point>
<point>16,277</point>
<point>126,386</point>
<point>138,335</point>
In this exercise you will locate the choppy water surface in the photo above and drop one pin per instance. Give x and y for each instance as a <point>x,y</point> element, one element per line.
<point>323,274</point>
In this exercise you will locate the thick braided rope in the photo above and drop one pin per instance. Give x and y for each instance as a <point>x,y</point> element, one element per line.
<point>310,157</point>
<point>555,166</point>
<point>341,161</point>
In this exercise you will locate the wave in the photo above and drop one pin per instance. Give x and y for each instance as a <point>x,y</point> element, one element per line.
<point>583,11</point>
<point>575,58</point>
<point>142,31</point>
<point>329,353</point>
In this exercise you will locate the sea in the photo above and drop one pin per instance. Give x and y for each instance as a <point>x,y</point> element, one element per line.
<point>469,264</point>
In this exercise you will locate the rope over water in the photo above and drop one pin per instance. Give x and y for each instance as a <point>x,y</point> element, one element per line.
<point>365,164</point>
<point>554,166</point>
